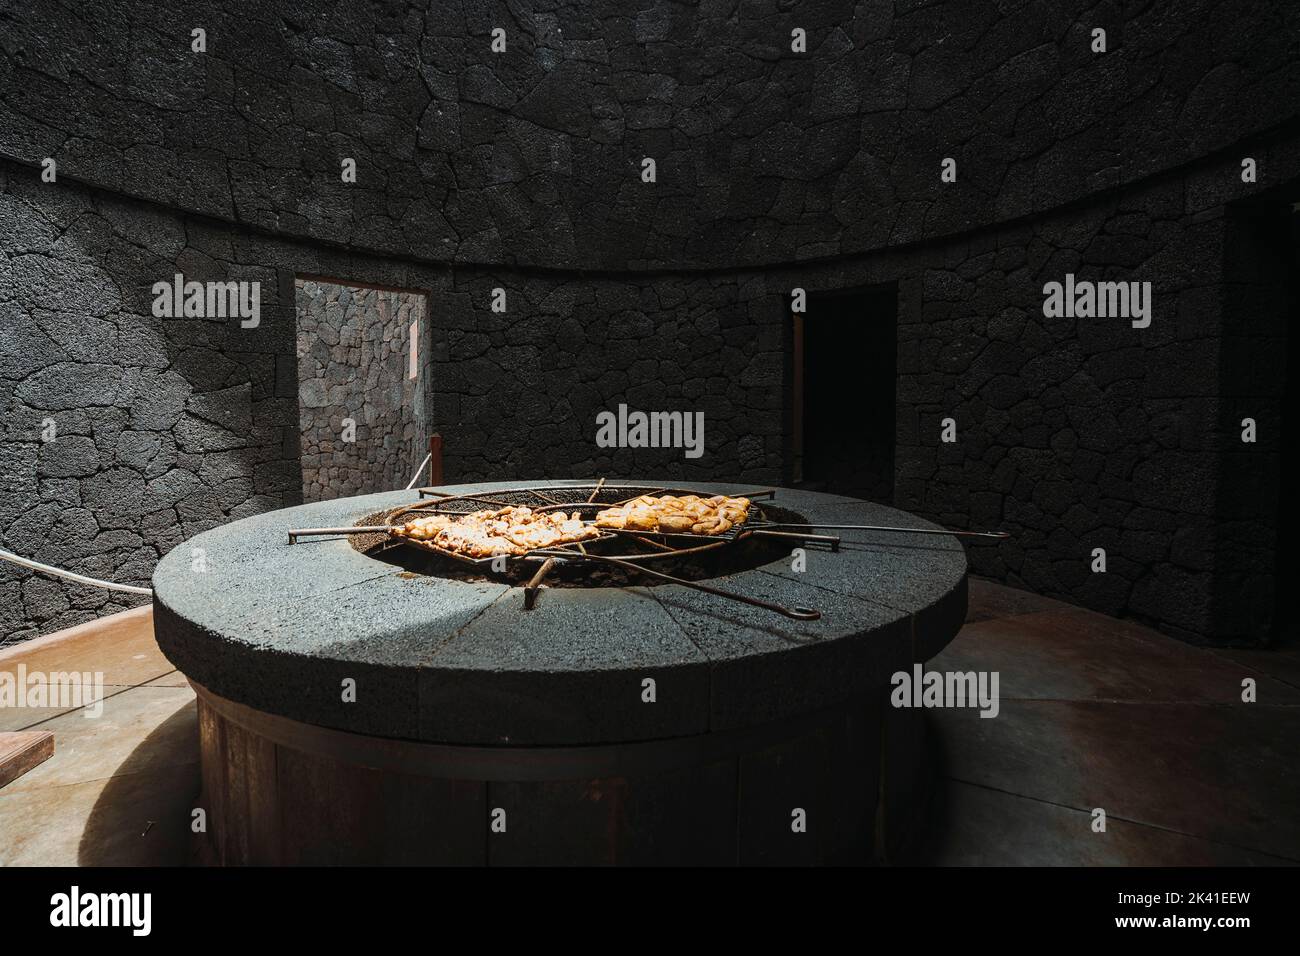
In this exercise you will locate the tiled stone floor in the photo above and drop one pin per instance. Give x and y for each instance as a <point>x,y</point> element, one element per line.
<point>1094,713</point>
<point>1100,713</point>
<point>120,787</point>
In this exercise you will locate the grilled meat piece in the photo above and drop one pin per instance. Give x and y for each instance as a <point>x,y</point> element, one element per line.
<point>425,528</point>
<point>476,540</point>
<point>510,530</point>
<point>687,514</point>
<point>680,523</point>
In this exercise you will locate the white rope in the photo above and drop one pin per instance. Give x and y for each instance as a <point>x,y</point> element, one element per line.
<point>131,588</point>
<point>416,476</point>
<point>71,576</point>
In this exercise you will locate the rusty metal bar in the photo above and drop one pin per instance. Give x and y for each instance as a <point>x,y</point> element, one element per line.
<point>534,585</point>
<point>655,544</point>
<point>446,497</point>
<point>297,533</point>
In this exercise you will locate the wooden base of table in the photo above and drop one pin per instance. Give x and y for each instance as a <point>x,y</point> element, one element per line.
<point>816,789</point>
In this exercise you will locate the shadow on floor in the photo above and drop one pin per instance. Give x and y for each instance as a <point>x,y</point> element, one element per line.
<point>143,814</point>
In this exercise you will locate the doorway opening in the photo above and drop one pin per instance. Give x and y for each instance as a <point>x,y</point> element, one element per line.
<point>1283,631</point>
<point>1255,517</point>
<point>844,407</point>
<point>362,393</point>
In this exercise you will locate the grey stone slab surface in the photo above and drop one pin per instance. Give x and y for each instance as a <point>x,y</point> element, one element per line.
<point>571,670</point>
<point>765,665</point>
<point>282,627</point>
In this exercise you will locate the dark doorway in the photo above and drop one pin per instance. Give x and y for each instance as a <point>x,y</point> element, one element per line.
<point>1284,632</point>
<point>845,349</point>
<point>1255,517</point>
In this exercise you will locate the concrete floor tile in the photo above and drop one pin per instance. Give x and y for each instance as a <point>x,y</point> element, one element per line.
<point>1230,774</point>
<point>975,826</point>
<point>171,679</point>
<point>145,728</point>
<point>1281,664</point>
<point>1080,655</point>
<point>23,718</point>
<point>989,599</point>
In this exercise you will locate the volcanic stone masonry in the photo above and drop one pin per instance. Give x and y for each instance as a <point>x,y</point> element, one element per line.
<point>125,434</point>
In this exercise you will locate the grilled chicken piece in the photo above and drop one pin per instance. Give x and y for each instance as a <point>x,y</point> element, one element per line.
<point>424,528</point>
<point>511,530</point>
<point>612,518</point>
<point>687,514</point>
<point>642,519</point>
<point>716,525</point>
<point>679,523</point>
<point>575,530</point>
<point>476,541</point>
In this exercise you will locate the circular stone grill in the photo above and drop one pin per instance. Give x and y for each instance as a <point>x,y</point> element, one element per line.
<point>464,700</point>
<point>617,558</point>
<point>588,499</point>
<point>693,560</point>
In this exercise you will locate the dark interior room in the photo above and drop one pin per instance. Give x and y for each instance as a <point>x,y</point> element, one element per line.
<point>651,433</point>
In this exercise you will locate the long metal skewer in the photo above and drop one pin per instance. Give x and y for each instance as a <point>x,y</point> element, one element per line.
<point>761,493</point>
<point>874,527</point>
<point>798,613</point>
<point>297,533</point>
<point>763,532</point>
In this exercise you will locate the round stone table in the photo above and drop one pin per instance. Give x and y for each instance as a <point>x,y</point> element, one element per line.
<point>351,712</point>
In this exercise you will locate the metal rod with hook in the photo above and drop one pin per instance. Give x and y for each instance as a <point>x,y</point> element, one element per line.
<point>797,613</point>
<point>873,527</point>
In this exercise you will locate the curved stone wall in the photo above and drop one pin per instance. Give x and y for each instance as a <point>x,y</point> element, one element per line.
<point>533,155</point>
<point>520,171</point>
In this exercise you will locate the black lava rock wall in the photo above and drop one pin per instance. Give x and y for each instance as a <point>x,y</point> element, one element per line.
<point>533,154</point>
<point>124,434</point>
<point>775,170</point>
<point>518,392</point>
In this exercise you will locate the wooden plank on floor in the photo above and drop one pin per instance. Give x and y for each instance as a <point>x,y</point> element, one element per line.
<point>22,750</point>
